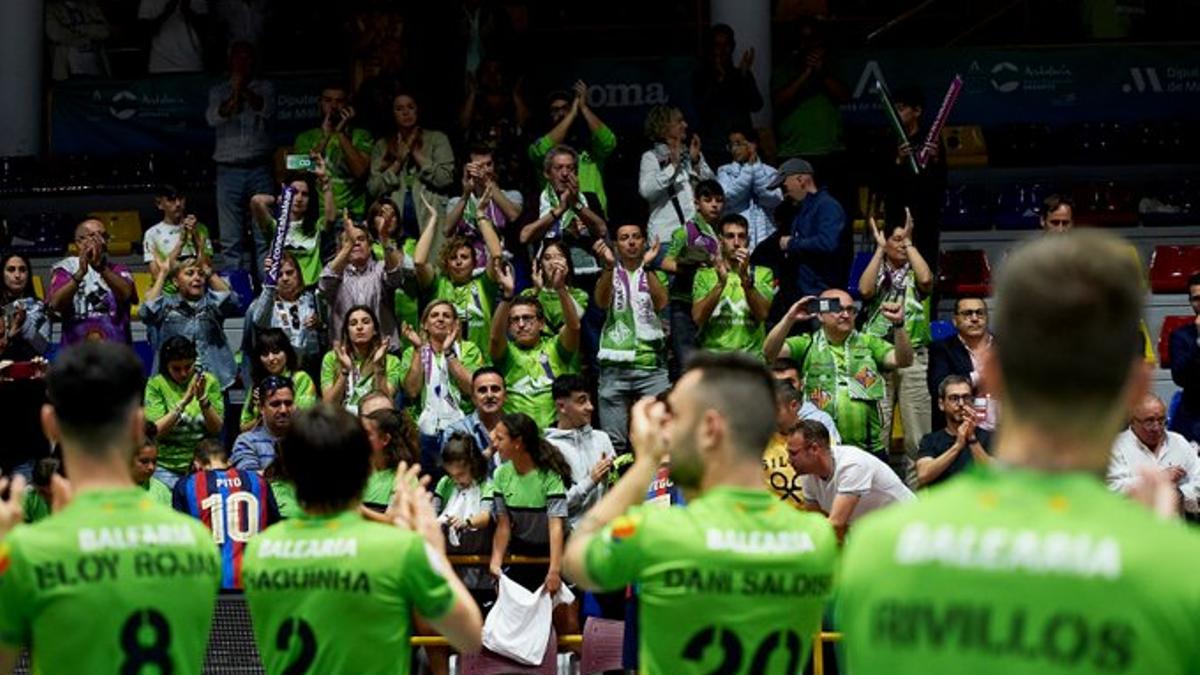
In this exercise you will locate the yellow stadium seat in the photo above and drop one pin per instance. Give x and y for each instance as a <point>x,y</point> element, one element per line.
<point>124,228</point>
<point>142,281</point>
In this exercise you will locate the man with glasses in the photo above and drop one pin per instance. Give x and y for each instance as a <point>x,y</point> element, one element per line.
<point>531,361</point>
<point>745,182</point>
<point>963,355</point>
<point>254,450</point>
<point>1147,442</point>
<point>594,147</point>
<point>1185,368</point>
<point>91,294</point>
<point>945,452</point>
<point>843,368</point>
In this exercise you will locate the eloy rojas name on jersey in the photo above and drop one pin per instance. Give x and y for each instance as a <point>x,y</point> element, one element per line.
<point>1008,550</point>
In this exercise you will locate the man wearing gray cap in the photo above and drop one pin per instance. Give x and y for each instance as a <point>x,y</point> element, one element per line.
<point>817,246</point>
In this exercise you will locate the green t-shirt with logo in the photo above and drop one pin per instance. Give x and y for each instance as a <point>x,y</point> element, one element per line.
<point>846,381</point>
<point>735,582</point>
<point>529,375</point>
<point>1016,571</point>
<point>731,327</point>
<point>475,302</point>
<point>468,355</point>
<point>358,387</point>
<point>916,313</point>
<point>529,501</point>
<point>334,594</point>
<point>552,306</point>
<point>348,192</point>
<point>112,583</point>
<point>176,447</point>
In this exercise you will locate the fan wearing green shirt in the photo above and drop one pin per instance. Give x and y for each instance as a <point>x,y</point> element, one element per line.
<point>729,309</point>
<point>306,221</point>
<point>898,273</point>
<point>186,405</point>
<point>565,108</point>
<point>346,150</point>
<point>529,360</point>
<point>145,461</point>
<point>1031,564</point>
<point>35,503</point>
<point>474,297</point>
<point>332,592</point>
<point>359,363</point>
<point>842,368</point>
<point>633,347</point>
<point>111,582</point>
<point>734,582</point>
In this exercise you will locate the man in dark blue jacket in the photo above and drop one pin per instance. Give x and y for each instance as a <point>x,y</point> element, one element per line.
<point>818,246</point>
<point>1185,368</point>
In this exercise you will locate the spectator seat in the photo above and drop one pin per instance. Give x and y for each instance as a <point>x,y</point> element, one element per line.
<point>142,281</point>
<point>491,663</point>
<point>1170,267</point>
<point>941,330</point>
<point>602,641</point>
<point>964,272</point>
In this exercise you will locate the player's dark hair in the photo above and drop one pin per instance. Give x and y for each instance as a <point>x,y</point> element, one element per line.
<point>741,390</point>
<point>1067,331</point>
<point>565,385</point>
<point>785,363</point>
<point>150,430</point>
<point>210,450</point>
<point>544,455</point>
<point>402,443</point>
<point>175,348</point>
<point>461,447</point>
<point>317,435</point>
<point>709,188</point>
<point>94,387</point>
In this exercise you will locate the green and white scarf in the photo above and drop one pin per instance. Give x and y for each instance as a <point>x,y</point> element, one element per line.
<point>630,320</point>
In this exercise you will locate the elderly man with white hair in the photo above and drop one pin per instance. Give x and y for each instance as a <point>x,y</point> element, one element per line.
<point>1147,442</point>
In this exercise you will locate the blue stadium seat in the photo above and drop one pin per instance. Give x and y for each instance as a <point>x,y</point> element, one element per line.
<point>146,353</point>
<point>239,280</point>
<point>856,270</point>
<point>941,330</point>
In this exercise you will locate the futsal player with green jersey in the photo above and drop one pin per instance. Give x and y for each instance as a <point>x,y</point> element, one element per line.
<point>113,582</point>
<point>330,592</point>
<point>736,581</point>
<point>1031,565</point>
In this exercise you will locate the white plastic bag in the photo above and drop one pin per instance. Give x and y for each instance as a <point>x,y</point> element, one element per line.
<point>463,505</point>
<point>518,626</point>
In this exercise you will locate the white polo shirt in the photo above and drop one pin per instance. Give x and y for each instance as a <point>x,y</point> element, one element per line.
<point>856,472</point>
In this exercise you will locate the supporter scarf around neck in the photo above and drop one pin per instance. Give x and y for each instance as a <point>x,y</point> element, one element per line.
<point>631,319</point>
<point>858,374</point>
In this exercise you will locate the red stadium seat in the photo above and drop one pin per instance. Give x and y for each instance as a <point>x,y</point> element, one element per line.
<point>491,663</point>
<point>602,642</point>
<point>1170,267</point>
<point>1169,324</point>
<point>964,272</point>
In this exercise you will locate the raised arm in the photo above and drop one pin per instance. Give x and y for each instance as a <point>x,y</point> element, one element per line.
<point>775,346</point>
<point>869,281</point>
<point>421,265</point>
<point>498,337</point>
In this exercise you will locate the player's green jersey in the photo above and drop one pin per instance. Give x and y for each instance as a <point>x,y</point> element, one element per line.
<point>735,582</point>
<point>334,594</point>
<point>113,583</point>
<point>1013,571</point>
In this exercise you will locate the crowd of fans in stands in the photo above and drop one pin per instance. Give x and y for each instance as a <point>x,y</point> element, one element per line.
<point>498,336</point>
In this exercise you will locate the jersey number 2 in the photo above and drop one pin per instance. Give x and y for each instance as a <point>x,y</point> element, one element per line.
<point>229,521</point>
<point>731,650</point>
<point>137,653</point>
<point>299,630</point>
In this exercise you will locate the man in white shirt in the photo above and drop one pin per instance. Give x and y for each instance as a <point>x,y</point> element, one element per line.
<point>589,451</point>
<point>1148,443</point>
<point>843,481</point>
